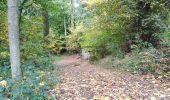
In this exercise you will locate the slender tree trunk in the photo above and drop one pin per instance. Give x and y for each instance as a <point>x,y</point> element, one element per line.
<point>46,22</point>
<point>65,30</point>
<point>13,30</point>
<point>72,15</point>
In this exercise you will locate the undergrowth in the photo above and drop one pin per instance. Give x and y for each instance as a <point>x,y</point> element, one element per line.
<point>38,79</point>
<point>144,59</point>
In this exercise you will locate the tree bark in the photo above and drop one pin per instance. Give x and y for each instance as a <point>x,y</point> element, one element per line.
<point>13,31</point>
<point>72,15</point>
<point>46,22</point>
<point>65,30</point>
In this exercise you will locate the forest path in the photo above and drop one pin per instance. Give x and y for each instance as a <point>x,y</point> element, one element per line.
<point>81,80</point>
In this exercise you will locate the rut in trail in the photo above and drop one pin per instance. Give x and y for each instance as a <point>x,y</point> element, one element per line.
<point>81,80</point>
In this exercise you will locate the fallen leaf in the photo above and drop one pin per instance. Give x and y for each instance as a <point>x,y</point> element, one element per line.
<point>168,90</point>
<point>153,98</point>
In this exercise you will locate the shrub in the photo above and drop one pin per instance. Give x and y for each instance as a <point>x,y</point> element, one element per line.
<point>149,61</point>
<point>73,39</point>
<point>31,38</point>
<point>35,85</point>
<point>73,43</point>
<point>101,44</point>
<point>4,54</point>
<point>165,37</point>
<point>149,19</point>
<point>54,44</point>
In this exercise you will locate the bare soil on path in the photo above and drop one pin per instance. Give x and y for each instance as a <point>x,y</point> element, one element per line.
<point>81,80</point>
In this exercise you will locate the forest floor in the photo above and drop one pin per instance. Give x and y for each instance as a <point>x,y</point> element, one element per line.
<point>81,80</point>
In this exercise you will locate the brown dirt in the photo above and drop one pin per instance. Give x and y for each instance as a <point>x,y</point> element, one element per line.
<point>81,80</point>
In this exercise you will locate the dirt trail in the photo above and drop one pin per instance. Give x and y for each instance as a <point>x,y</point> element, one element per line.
<point>81,80</point>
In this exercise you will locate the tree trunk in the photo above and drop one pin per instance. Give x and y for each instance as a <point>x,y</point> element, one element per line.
<point>13,30</point>
<point>65,31</point>
<point>72,15</point>
<point>46,22</point>
<point>65,28</point>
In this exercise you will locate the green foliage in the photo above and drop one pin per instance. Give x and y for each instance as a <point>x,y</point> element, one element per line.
<point>73,43</point>
<point>106,33</point>
<point>57,16</point>
<point>149,61</point>
<point>149,19</point>
<point>165,37</point>
<point>55,44</point>
<point>100,44</point>
<point>31,38</point>
<point>108,27</point>
<point>5,70</point>
<point>37,67</point>
<point>73,40</point>
<point>38,78</point>
<point>120,25</point>
<point>4,55</point>
<point>143,62</point>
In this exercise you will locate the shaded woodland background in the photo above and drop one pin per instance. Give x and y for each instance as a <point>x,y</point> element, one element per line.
<point>112,29</point>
